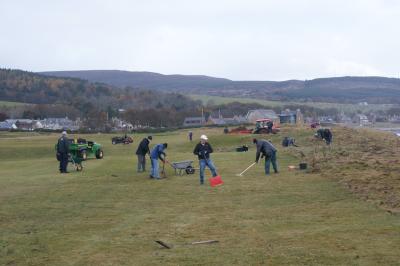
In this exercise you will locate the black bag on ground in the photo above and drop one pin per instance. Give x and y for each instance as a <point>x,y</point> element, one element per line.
<point>243,148</point>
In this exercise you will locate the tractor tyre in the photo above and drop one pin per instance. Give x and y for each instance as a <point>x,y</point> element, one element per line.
<point>262,131</point>
<point>99,154</point>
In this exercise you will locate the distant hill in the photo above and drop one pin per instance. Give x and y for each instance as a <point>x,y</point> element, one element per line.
<point>343,89</point>
<point>28,87</point>
<point>146,80</point>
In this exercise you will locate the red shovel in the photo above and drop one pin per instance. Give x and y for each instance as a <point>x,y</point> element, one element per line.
<point>216,181</point>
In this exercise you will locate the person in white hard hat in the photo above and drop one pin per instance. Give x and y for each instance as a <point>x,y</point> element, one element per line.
<point>203,150</point>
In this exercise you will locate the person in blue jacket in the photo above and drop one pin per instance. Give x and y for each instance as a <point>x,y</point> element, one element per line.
<point>157,153</point>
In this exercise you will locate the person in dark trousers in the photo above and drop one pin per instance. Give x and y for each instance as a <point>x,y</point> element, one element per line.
<point>270,124</point>
<point>288,141</point>
<point>190,136</point>
<point>141,152</point>
<point>62,152</point>
<point>268,151</point>
<point>203,150</point>
<point>324,134</point>
<point>157,153</point>
<point>328,137</point>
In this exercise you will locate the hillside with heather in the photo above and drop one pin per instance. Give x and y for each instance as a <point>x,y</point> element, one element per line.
<point>339,89</point>
<point>55,96</point>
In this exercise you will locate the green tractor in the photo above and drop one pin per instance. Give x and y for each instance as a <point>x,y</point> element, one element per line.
<point>80,148</point>
<point>86,149</point>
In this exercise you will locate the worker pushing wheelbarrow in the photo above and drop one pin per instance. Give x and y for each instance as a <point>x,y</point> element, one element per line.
<point>64,154</point>
<point>74,159</point>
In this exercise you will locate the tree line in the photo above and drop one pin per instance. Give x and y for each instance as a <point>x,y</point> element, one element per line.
<point>97,103</point>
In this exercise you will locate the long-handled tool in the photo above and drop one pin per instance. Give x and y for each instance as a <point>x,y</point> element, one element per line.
<point>169,246</point>
<point>163,174</point>
<point>245,170</point>
<point>169,163</point>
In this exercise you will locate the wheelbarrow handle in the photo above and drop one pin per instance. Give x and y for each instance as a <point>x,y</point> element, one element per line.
<point>169,163</point>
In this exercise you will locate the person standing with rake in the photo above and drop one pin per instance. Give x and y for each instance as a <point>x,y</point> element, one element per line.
<point>203,150</point>
<point>268,151</point>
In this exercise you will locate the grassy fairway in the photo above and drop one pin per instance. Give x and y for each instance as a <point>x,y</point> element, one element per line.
<point>340,106</point>
<point>110,215</point>
<point>12,104</point>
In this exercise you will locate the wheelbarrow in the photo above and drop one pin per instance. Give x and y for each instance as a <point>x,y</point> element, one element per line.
<point>76,161</point>
<point>183,166</point>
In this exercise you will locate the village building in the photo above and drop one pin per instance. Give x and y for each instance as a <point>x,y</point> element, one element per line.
<point>22,124</point>
<point>194,121</point>
<point>216,121</point>
<point>254,115</point>
<point>361,120</point>
<point>119,124</point>
<point>236,120</point>
<point>7,125</point>
<point>291,117</point>
<point>60,124</point>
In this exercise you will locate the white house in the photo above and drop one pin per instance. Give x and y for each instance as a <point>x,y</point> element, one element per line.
<point>23,124</point>
<point>194,121</point>
<point>254,115</point>
<point>60,124</point>
<point>121,124</point>
<point>7,125</point>
<point>362,120</point>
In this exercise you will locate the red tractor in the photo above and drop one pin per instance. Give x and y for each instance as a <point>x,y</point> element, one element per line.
<point>263,126</point>
<point>266,126</point>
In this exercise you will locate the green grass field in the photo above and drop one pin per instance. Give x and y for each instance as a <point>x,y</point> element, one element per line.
<point>340,106</point>
<point>110,215</point>
<point>12,104</point>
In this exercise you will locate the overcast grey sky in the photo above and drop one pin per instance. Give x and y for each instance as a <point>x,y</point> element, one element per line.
<point>246,39</point>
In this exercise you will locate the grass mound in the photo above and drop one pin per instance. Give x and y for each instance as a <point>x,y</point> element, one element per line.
<point>366,162</point>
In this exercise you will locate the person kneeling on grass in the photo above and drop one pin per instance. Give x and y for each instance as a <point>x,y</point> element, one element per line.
<point>157,153</point>
<point>203,150</point>
<point>268,151</point>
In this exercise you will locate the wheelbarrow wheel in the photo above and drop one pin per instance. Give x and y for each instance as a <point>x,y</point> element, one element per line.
<point>79,167</point>
<point>189,170</point>
<point>83,155</point>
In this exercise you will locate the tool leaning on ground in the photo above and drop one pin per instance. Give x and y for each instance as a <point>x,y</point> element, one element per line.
<point>169,246</point>
<point>245,170</point>
<point>163,174</point>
